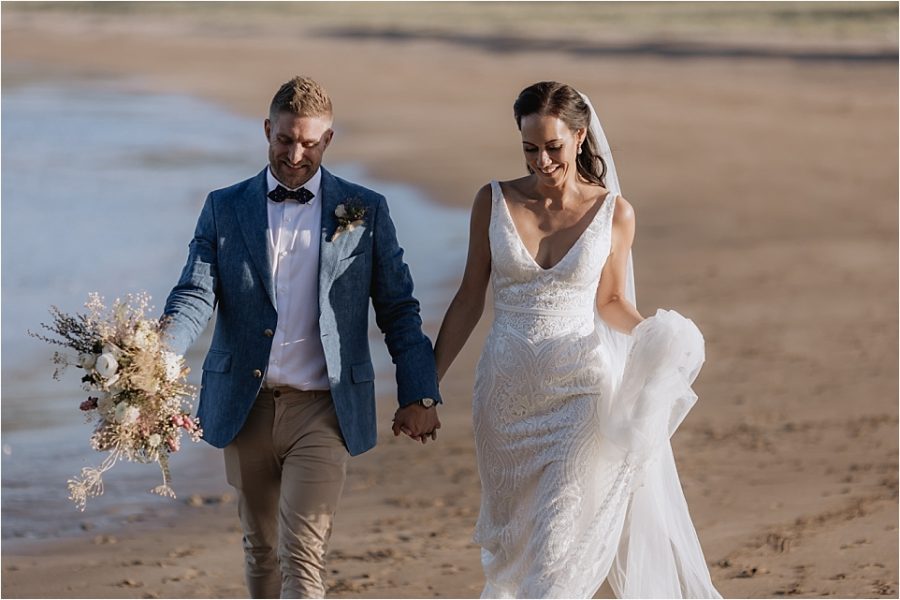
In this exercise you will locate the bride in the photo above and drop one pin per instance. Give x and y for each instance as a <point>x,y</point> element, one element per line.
<point>576,394</point>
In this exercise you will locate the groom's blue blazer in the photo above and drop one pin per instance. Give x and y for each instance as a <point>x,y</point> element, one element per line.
<point>229,268</point>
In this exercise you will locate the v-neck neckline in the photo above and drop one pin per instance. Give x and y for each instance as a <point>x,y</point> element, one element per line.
<point>524,248</point>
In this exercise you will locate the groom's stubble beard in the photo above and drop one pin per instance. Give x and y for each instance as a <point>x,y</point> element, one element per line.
<point>290,177</point>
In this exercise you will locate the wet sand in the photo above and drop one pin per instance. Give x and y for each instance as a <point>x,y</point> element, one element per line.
<point>765,189</point>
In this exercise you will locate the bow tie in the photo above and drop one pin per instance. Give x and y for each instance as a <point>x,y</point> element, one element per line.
<point>281,193</point>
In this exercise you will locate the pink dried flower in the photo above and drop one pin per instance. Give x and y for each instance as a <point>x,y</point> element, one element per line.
<point>89,404</point>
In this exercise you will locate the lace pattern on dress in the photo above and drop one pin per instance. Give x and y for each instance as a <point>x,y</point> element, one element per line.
<point>537,390</point>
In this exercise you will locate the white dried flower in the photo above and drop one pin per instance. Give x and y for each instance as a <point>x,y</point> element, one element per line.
<point>86,360</point>
<point>112,350</point>
<point>172,364</point>
<point>340,211</point>
<point>106,365</point>
<point>143,337</point>
<point>154,440</point>
<point>115,385</point>
<point>127,414</point>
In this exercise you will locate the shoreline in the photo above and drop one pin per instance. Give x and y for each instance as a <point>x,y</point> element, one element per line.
<point>65,51</point>
<point>790,494</point>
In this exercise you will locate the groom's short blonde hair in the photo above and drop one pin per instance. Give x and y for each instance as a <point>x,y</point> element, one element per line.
<point>301,96</point>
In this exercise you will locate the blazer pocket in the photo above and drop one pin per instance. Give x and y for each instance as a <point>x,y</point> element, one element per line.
<point>362,372</point>
<point>217,361</point>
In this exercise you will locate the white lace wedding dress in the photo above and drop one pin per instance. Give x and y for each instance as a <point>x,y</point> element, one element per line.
<point>573,455</point>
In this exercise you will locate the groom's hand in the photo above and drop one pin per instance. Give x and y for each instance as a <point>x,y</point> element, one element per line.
<point>417,422</point>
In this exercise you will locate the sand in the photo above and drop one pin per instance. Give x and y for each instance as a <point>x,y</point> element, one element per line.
<point>766,191</point>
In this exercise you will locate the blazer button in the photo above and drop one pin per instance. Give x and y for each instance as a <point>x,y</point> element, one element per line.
<point>268,333</point>
<point>257,373</point>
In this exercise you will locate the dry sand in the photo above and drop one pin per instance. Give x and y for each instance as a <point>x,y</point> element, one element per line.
<point>766,192</point>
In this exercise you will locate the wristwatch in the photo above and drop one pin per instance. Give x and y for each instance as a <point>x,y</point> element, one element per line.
<point>427,402</point>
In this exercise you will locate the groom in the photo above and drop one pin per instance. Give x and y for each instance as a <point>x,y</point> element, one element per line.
<point>291,257</point>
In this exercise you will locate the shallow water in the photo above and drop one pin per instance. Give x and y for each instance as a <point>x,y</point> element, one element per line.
<point>101,189</point>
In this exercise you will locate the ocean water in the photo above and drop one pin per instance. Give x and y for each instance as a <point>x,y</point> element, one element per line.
<point>101,187</point>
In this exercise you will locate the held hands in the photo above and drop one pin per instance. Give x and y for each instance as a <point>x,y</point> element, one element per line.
<point>417,422</point>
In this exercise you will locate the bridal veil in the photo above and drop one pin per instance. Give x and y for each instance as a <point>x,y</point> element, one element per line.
<point>658,554</point>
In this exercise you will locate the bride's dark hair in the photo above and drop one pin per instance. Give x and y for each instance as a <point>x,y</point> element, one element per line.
<point>564,102</point>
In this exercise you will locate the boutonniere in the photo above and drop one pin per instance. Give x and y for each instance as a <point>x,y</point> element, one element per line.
<point>348,216</point>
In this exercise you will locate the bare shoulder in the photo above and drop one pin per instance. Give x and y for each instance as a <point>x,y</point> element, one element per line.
<point>518,182</point>
<point>483,199</point>
<point>481,206</point>
<point>517,190</point>
<point>623,214</point>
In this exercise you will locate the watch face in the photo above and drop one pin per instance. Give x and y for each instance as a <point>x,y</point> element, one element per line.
<point>427,402</point>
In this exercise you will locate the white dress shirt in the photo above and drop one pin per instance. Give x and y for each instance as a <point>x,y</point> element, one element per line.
<point>297,358</point>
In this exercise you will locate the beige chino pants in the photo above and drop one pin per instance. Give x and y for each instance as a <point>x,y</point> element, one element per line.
<point>288,464</point>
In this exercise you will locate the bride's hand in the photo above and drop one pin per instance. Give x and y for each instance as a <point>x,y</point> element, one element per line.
<point>417,422</point>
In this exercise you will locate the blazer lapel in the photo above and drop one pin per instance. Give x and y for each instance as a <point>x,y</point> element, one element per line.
<point>253,217</point>
<point>328,252</point>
